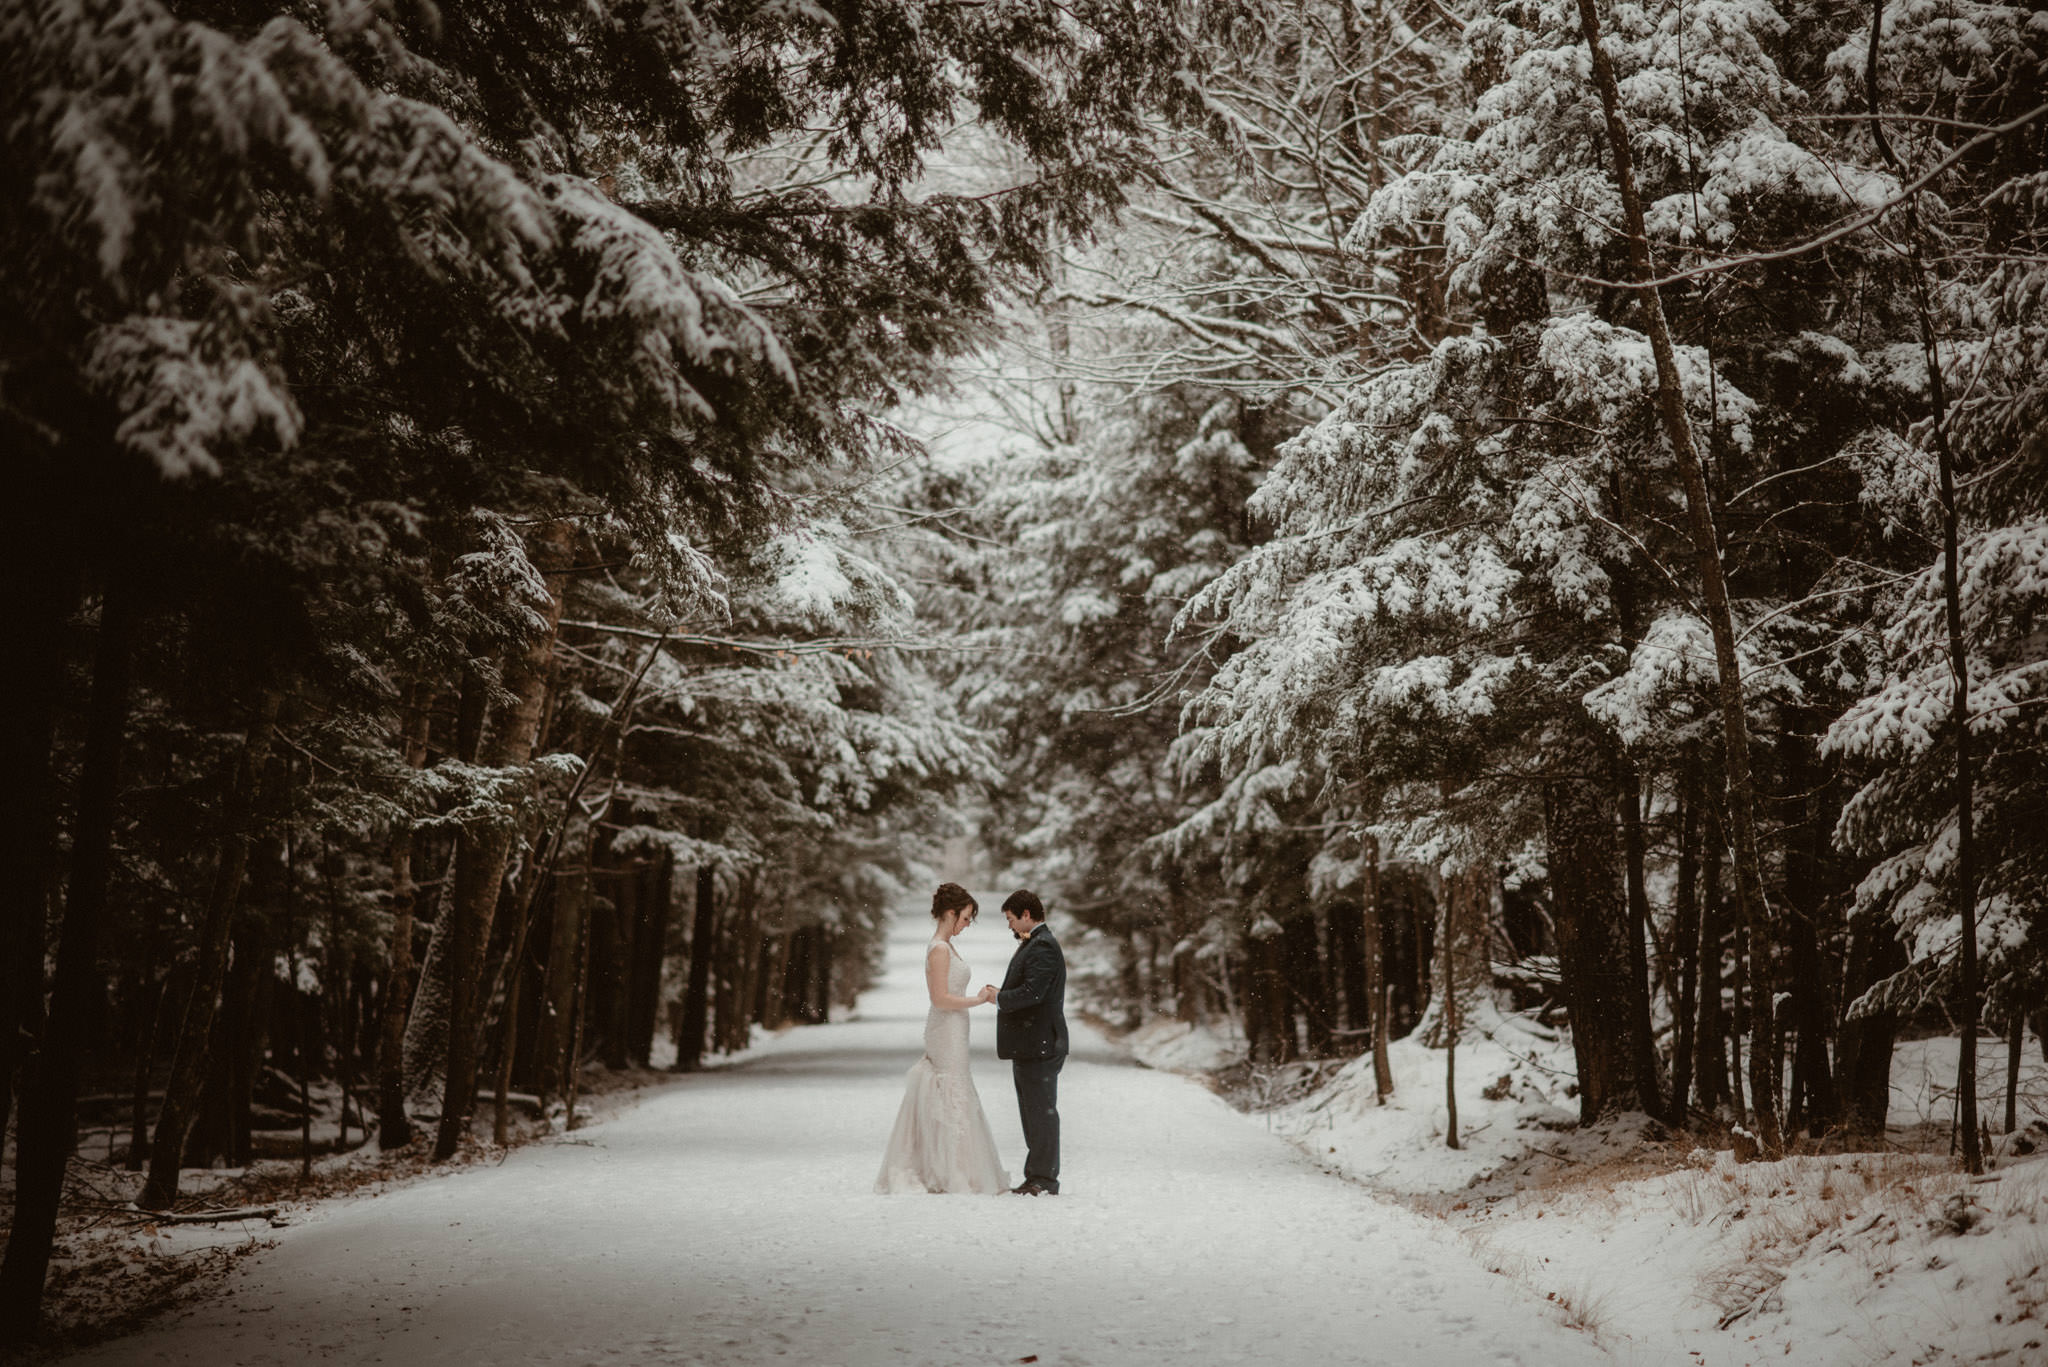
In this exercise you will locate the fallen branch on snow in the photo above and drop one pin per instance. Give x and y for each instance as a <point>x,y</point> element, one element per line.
<point>204,1217</point>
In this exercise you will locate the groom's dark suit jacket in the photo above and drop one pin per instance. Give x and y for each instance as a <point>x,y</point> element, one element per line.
<point>1031,1020</point>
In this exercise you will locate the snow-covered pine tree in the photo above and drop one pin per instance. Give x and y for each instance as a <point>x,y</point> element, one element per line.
<point>1960,653</point>
<point>795,726</point>
<point>1231,290</point>
<point>1096,544</point>
<point>1239,246</point>
<point>1781,390</point>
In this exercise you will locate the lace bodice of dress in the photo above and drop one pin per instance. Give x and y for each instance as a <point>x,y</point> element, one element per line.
<point>945,1031</point>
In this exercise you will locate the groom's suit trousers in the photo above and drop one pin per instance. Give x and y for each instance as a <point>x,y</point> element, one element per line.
<point>1038,1104</point>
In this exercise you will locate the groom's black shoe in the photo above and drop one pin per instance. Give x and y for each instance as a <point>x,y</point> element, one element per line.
<point>1033,1189</point>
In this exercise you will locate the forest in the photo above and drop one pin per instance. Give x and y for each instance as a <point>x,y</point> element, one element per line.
<point>538,519</point>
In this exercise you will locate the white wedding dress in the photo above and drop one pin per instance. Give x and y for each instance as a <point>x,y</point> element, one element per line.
<point>942,1141</point>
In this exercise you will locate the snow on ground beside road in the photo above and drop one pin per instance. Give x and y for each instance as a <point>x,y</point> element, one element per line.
<point>1516,1095</point>
<point>1515,1098</point>
<point>729,1219</point>
<point>1884,1258</point>
<point>1861,1259</point>
<point>1183,1047</point>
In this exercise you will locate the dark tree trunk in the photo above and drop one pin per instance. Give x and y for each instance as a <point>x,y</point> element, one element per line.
<point>1347,956</point>
<point>1629,787</point>
<point>743,948</point>
<point>775,983</point>
<point>1591,922</point>
<point>1189,994</point>
<point>1421,946</point>
<point>609,947</point>
<point>578,1008</point>
<point>725,971</point>
<point>195,1035</point>
<point>347,1004</point>
<point>1706,546</point>
<point>1864,1056</point>
<point>508,1038</point>
<point>394,1127</point>
<point>305,1010</point>
<point>1760,983</point>
<point>1155,989</point>
<point>1131,978</point>
<point>527,1067</point>
<point>1464,964</point>
<point>1742,1024</point>
<point>44,590</point>
<point>1461,892</point>
<point>46,1131</point>
<point>650,939</point>
<point>246,1030</point>
<point>1685,944</point>
<point>815,971</point>
<point>211,1136</point>
<point>1806,835</point>
<point>703,951</point>
<point>567,931</point>
<point>465,936</point>
<point>798,974</point>
<point>1269,1021</point>
<point>822,976</point>
<point>248,1001</point>
<point>510,739</point>
<point>1710,1041</point>
<point>1372,931</point>
<point>472,708</point>
<point>424,1047</point>
<point>614,1009</point>
<point>1251,1005</point>
<point>479,868</point>
<point>747,960</point>
<point>1308,984</point>
<point>2015,1041</point>
<point>775,970</point>
<point>514,976</point>
<point>1814,1105</point>
<point>151,1018</point>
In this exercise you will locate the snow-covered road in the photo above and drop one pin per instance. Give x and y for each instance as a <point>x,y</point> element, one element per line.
<point>729,1220</point>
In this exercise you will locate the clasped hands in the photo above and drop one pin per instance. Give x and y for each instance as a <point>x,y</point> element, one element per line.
<point>988,993</point>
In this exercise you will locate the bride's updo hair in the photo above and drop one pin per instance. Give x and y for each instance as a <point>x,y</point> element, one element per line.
<point>951,897</point>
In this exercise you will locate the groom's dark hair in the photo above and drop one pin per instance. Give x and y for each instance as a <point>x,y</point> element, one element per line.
<point>1025,903</point>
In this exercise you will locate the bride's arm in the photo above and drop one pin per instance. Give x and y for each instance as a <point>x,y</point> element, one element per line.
<point>936,964</point>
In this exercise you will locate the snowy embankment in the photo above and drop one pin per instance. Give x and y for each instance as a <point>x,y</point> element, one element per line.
<point>1669,1253</point>
<point>729,1219</point>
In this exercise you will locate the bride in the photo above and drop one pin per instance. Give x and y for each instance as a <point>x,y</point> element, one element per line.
<point>942,1140</point>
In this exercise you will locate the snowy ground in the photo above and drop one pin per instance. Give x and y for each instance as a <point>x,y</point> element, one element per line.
<point>729,1220</point>
<point>1668,1253</point>
<point>1850,1259</point>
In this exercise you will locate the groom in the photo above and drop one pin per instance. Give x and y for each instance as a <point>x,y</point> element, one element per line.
<point>1031,1031</point>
